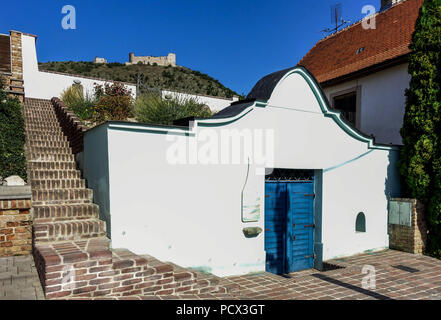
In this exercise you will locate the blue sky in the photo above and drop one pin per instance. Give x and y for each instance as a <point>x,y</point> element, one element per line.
<point>236,42</point>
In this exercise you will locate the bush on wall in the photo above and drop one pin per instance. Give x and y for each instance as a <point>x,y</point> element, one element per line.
<point>81,104</point>
<point>12,137</point>
<point>108,102</point>
<point>420,163</point>
<point>113,102</point>
<point>152,108</point>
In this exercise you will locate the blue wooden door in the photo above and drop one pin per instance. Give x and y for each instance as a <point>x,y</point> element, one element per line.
<point>275,225</point>
<point>300,226</point>
<point>289,218</point>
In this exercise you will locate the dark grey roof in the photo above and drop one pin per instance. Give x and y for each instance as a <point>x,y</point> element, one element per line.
<point>234,109</point>
<point>265,86</point>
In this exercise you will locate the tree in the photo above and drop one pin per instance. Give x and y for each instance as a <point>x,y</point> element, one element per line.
<point>420,163</point>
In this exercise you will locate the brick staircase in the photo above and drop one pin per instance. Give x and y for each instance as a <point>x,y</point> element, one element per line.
<point>71,250</point>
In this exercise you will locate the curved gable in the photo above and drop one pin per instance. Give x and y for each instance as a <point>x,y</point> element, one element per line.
<point>298,84</point>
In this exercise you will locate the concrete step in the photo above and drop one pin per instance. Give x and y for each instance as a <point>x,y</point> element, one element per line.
<point>69,230</point>
<point>60,195</point>
<point>58,184</point>
<point>51,213</point>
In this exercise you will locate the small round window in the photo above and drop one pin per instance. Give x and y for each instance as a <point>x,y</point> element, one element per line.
<point>360,223</point>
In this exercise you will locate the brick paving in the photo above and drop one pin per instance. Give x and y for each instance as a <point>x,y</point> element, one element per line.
<point>420,279</point>
<point>19,279</point>
<point>424,282</point>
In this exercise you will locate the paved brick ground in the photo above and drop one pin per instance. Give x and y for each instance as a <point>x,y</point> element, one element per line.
<point>19,279</point>
<point>420,279</point>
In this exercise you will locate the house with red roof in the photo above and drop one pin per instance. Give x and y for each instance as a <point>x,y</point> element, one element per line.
<point>363,71</point>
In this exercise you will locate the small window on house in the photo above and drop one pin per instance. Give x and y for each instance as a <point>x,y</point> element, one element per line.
<point>347,105</point>
<point>360,223</point>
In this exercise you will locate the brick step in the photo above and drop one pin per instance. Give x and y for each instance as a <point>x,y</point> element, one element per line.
<point>58,184</point>
<point>39,106</point>
<point>68,230</point>
<point>42,126</point>
<point>39,132</point>
<point>61,212</point>
<point>50,150</point>
<point>57,174</point>
<point>50,157</point>
<point>16,82</point>
<point>40,112</point>
<point>59,195</point>
<point>45,121</point>
<point>40,165</point>
<point>30,117</point>
<point>58,144</point>
<point>87,268</point>
<point>42,122</point>
<point>34,115</point>
<point>46,137</point>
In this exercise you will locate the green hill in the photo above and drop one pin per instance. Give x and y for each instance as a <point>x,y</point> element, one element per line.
<point>152,76</point>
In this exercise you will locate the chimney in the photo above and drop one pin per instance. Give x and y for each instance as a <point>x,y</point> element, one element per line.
<point>386,4</point>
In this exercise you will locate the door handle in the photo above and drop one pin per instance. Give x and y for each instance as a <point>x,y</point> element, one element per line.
<point>293,237</point>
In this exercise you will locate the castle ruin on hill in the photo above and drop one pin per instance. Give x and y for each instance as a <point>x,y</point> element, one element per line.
<point>169,60</point>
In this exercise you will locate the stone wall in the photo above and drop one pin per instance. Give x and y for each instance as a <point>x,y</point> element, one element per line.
<point>412,238</point>
<point>15,222</point>
<point>14,84</point>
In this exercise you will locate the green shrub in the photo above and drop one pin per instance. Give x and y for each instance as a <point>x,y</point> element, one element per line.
<point>152,108</point>
<point>420,162</point>
<point>12,137</point>
<point>81,105</point>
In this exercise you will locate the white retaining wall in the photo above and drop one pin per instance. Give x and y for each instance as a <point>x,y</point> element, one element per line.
<point>46,85</point>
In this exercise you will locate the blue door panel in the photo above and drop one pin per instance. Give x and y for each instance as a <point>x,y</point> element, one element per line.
<point>301,212</point>
<point>275,201</point>
<point>289,226</point>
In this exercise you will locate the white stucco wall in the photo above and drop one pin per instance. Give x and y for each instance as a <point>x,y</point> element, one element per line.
<point>46,85</point>
<point>214,103</point>
<point>382,102</point>
<point>191,214</point>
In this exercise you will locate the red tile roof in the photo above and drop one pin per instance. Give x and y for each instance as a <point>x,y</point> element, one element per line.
<point>336,56</point>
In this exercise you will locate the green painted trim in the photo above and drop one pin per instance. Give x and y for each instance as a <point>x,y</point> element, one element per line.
<point>348,161</point>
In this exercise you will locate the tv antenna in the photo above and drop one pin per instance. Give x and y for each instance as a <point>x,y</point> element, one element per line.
<point>336,19</point>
